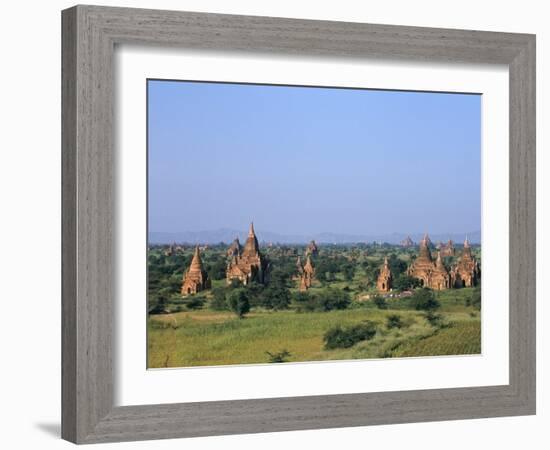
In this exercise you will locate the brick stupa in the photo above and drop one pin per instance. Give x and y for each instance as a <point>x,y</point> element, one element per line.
<point>307,275</point>
<point>431,274</point>
<point>384,283</point>
<point>466,273</point>
<point>195,279</point>
<point>249,265</point>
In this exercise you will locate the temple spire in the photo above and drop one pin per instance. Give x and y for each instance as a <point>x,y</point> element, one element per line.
<point>195,279</point>
<point>251,232</point>
<point>425,253</point>
<point>308,265</point>
<point>196,262</point>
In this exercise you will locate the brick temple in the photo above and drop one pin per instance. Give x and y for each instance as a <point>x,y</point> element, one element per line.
<point>195,279</point>
<point>249,264</point>
<point>307,275</point>
<point>384,283</point>
<point>447,249</point>
<point>312,249</point>
<point>432,274</point>
<point>466,273</point>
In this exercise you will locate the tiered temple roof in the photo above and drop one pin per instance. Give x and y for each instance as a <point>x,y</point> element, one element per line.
<point>466,273</point>
<point>447,249</point>
<point>250,264</point>
<point>308,275</point>
<point>235,248</point>
<point>384,282</point>
<point>431,274</point>
<point>195,278</point>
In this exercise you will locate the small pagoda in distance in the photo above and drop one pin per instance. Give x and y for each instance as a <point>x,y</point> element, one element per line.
<point>407,242</point>
<point>384,283</point>
<point>307,275</point>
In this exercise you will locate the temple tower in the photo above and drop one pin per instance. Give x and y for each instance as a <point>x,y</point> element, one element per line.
<point>384,282</point>
<point>234,249</point>
<point>407,242</point>
<point>431,274</point>
<point>249,265</point>
<point>307,276</point>
<point>440,278</point>
<point>195,279</point>
<point>466,273</point>
<point>312,249</point>
<point>448,249</point>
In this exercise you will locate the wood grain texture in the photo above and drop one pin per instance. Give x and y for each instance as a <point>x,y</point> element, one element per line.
<point>89,36</point>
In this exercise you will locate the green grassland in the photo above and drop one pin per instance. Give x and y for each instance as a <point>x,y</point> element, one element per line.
<point>198,338</point>
<point>182,334</point>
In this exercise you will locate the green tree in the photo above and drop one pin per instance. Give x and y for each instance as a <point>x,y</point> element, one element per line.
<point>397,265</point>
<point>279,357</point>
<point>380,302</point>
<point>254,292</point>
<point>305,302</point>
<point>159,307</point>
<point>475,299</point>
<point>394,321</point>
<point>332,299</point>
<point>219,301</point>
<point>276,297</point>
<point>349,272</point>
<point>216,270</point>
<point>405,282</point>
<point>346,337</point>
<point>194,302</point>
<point>238,302</point>
<point>424,299</point>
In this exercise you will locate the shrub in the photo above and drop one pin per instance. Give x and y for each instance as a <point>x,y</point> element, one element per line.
<point>349,272</point>
<point>424,299</point>
<point>339,337</point>
<point>217,269</point>
<point>279,357</point>
<point>254,292</point>
<point>380,302</point>
<point>333,299</point>
<point>405,282</point>
<point>394,321</point>
<point>219,302</point>
<point>475,299</point>
<point>194,302</point>
<point>305,302</point>
<point>159,307</point>
<point>276,297</point>
<point>238,302</point>
<point>434,319</point>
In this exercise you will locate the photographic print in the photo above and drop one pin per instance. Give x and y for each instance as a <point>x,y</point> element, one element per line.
<point>296,223</point>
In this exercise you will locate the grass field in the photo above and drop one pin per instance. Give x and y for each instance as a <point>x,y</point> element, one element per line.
<point>204,337</point>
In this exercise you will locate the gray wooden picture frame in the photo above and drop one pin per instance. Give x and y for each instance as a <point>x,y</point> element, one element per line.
<point>90,34</point>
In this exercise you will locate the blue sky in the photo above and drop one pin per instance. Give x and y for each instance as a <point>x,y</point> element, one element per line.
<point>310,160</point>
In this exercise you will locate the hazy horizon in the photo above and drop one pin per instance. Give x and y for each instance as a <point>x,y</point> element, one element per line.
<point>227,235</point>
<point>307,161</point>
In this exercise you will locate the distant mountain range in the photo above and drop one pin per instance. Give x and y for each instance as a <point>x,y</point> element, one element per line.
<point>227,235</point>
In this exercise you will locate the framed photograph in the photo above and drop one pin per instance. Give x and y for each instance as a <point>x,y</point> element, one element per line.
<point>278,224</point>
